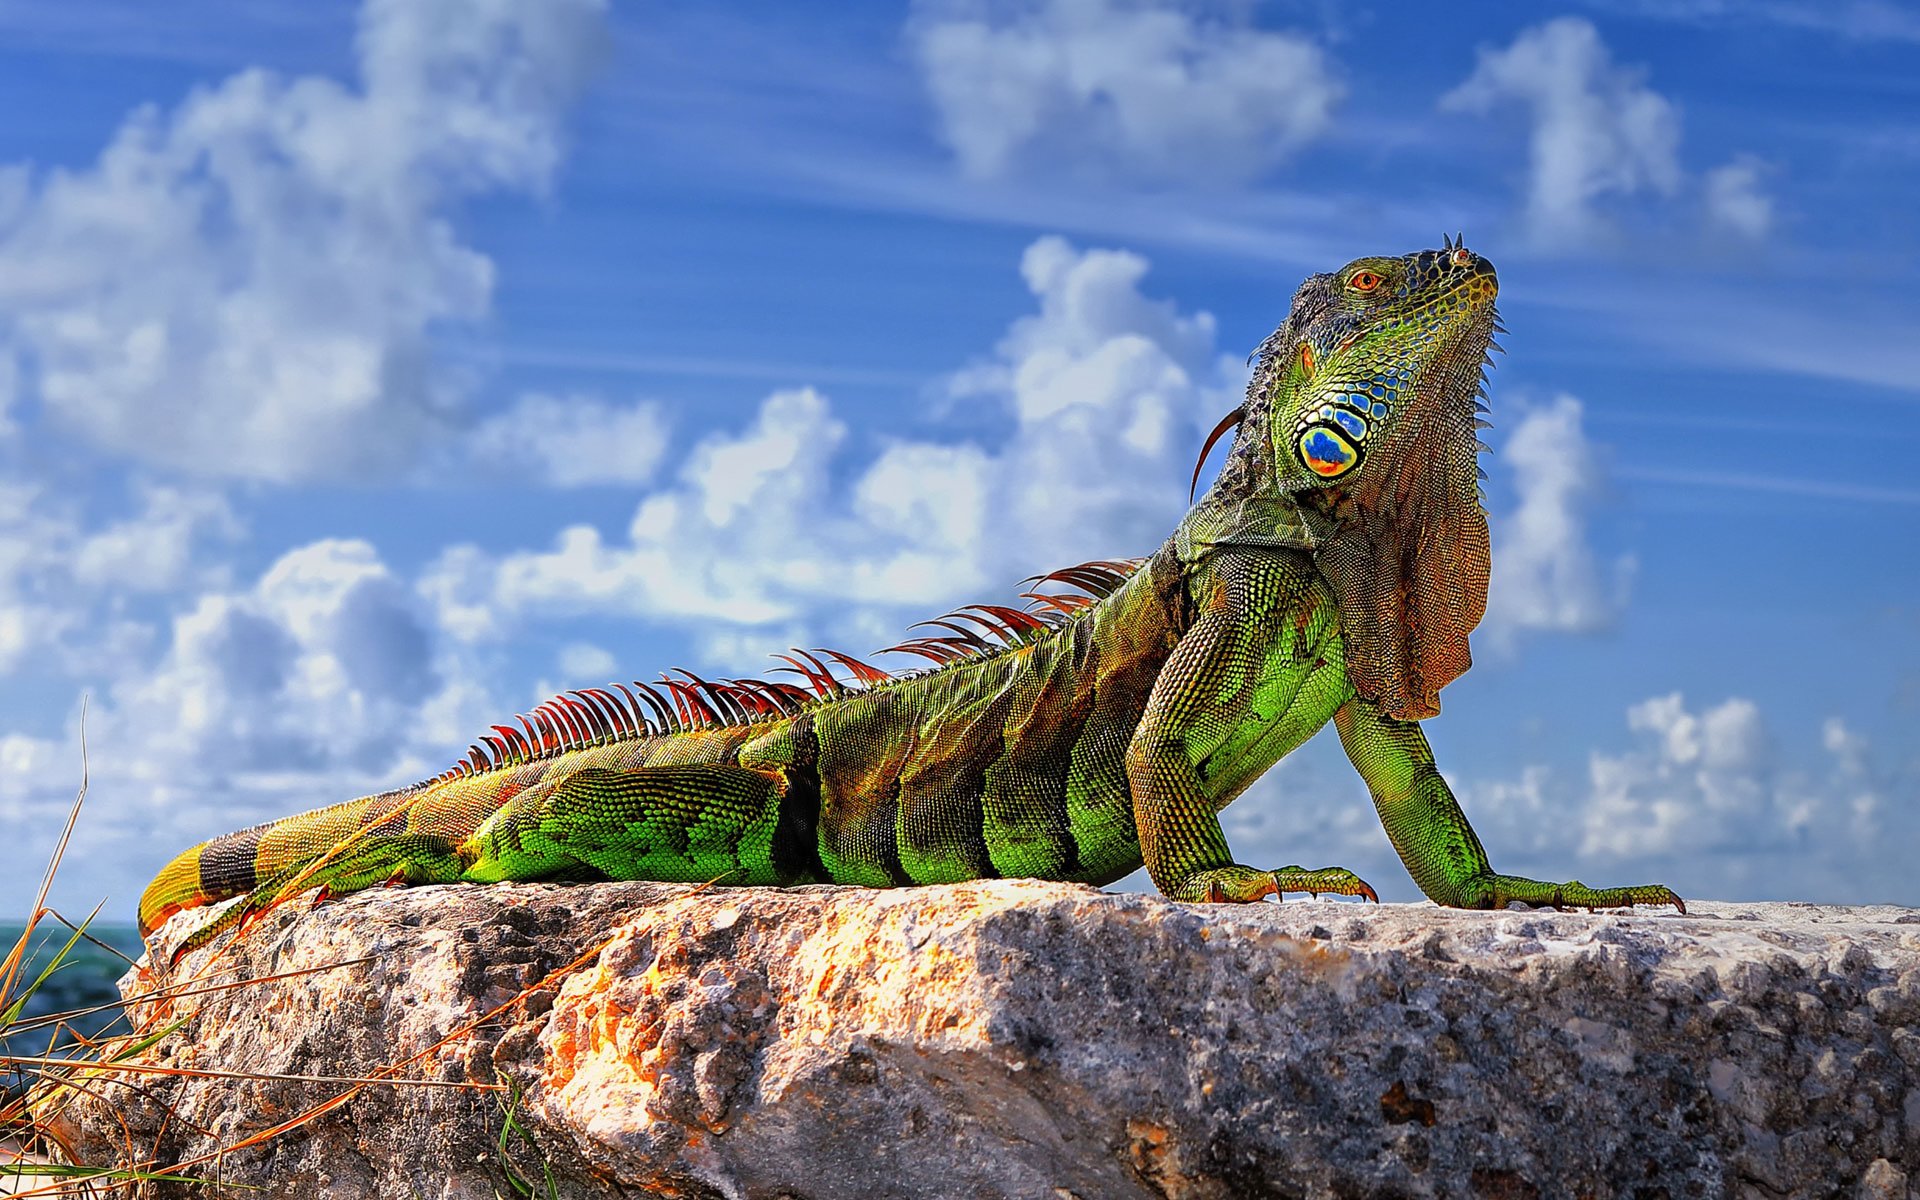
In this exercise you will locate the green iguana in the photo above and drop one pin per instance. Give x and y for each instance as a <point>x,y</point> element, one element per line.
<point>1332,572</point>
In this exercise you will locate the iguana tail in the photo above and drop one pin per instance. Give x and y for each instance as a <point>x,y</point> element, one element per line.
<point>234,864</point>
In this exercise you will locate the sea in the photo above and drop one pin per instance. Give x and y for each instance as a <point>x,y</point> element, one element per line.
<point>85,980</point>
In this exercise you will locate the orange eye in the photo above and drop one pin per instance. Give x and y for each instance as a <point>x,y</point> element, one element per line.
<point>1364,281</point>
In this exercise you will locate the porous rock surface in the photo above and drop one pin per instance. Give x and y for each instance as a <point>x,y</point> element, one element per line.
<point>1025,1039</point>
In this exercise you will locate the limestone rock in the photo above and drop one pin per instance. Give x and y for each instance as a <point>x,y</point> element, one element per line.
<point>1028,1039</point>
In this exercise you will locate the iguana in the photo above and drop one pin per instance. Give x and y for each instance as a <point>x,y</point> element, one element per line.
<point>1332,572</point>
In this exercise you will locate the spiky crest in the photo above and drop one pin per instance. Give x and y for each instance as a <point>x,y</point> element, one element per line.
<point>586,717</point>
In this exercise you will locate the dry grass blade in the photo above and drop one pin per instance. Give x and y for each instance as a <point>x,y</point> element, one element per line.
<point>352,1086</point>
<point>47,1063</point>
<point>10,970</point>
<point>178,991</point>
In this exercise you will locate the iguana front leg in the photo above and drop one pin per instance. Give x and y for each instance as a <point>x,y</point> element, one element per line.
<point>1431,833</point>
<point>1203,693</point>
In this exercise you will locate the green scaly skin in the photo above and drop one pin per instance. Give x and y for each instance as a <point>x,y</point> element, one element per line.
<point>1332,573</point>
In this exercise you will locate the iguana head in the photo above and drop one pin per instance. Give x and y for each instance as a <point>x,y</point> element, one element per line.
<point>1364,408</point>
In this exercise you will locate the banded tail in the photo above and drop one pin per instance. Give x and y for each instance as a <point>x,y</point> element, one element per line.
<point>233,864</point>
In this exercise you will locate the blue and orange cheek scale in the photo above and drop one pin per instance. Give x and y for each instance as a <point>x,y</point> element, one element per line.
<point>1332,439</point>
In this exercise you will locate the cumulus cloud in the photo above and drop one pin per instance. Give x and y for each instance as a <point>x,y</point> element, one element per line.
<point>571,441</point>
<point>1699,779</point>
<point>246,285</point>
<point>153,549</point>
<point>1748,813</point>
<point>1600,137</point>
<point>1546,573</point>
<point>322,678</point>
<point>64,578</point>
<point>1598,130</point>
<point>1735,200</point>
<point>1102,391</point>
<point>1146,88</point>
<point>315,663</point>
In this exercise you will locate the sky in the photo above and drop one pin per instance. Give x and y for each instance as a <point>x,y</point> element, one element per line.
<point>369,373</point>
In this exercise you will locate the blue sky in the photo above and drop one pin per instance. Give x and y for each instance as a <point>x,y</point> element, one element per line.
<point>367,373</point>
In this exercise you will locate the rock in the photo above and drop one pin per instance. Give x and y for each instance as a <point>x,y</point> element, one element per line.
<point>1027,1039</point>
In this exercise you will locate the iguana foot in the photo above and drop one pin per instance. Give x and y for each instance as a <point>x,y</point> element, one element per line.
<point>1497,891</point>
<point>1244,885</point>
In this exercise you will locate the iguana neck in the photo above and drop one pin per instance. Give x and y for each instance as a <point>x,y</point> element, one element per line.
<point>1250,485</point>
<point>1403,544</point>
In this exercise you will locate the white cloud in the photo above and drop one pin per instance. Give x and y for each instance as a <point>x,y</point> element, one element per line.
<point>584,661</point>
<point>1151,89</point>
<point>63,586</point>
<point>458,588</point>
<point>1710,782</point>
<point>316,664</point>
<point>1546,574</point>
<point>246,285</point>
<point>572,441</point>
<point>1598,130</point>
<point>1104,390</point>
<point>322,679</point>
<point>9,392</point>
<point>1865,20</point>
<point>153,550</point>
<point>1735,200</point>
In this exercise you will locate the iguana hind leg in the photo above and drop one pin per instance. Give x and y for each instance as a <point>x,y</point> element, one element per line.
<point>702,823</point>
<point>692,824</point>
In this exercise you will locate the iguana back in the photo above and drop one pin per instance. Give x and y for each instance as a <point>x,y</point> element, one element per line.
<point>1005,760</point>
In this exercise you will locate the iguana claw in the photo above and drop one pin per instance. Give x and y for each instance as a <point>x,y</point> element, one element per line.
<point>1498,891</point>
<point>1245,885</point>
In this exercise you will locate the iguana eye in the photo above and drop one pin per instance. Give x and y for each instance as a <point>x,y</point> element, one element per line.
<point>1364,281</point>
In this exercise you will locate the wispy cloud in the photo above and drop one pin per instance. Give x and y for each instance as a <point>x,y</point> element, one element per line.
<point>183,31</point>
<point>1851,337</point>
<point>1600,137</point>
<point>693,367</point>
<point>1139,87</point>
<point>1851,493</point>
<point>1598,129</point>
<point>1863,20</point>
